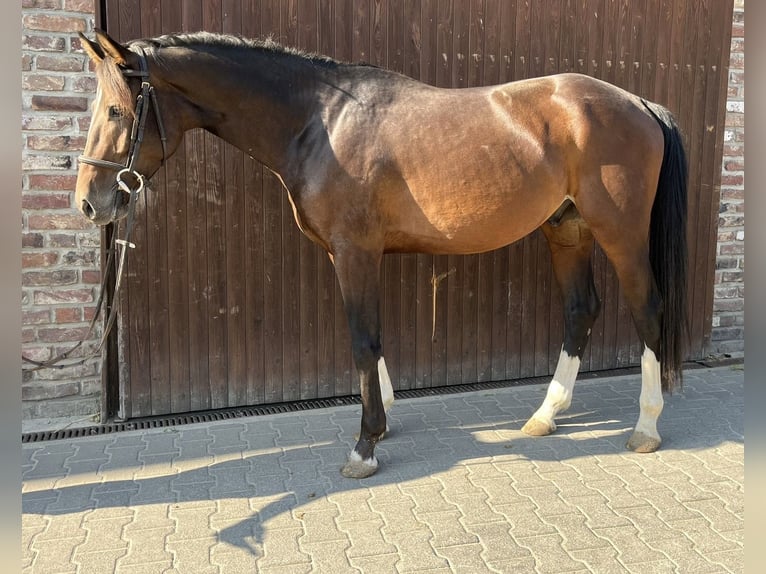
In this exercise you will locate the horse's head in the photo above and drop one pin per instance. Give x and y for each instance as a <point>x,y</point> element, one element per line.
<point>127,130</point>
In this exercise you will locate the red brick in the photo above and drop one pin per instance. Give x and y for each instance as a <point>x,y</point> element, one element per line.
<point>41,391</point>
<point>88,313</point>
<point>52,182</point>
<point>726,292</point>
<point>732,276</point>
<point>74,372</point>
<point>728,305</point>
<point>729,194</point>
<point>45,278</point>
<point>87,6</point>
<point>730,320</point>
<point>735,119</point>
<point>45,123</point>
<point>41,4</point>
<point>56,296</point>
<point>38,259</point>
<point>92,239</point>
<point>58,335</point>
<point>731,249</point>
<point>26,62</point>
<point>79,258</point>
<point>37,353</point>
<point>31,162</point>
<point>57,221</point>
<point>91,277</point>
<point>59,103</point>
<point>35,317</point>
<point>28,336</point>
<point>31,240</point>
<point>45,200</point>
<point>51,23</point>
<point>43,43</point>
<point>738,30</point>
<point>83,124</point>
<point>56,143</point>
<point>728,179</point>
<point>42,82</point>
<point>733,165</point>
<point>731,219</point>
<point>68,315</point>
<point>84,84</point>
<point>61,240</point>
<point>60,63</point>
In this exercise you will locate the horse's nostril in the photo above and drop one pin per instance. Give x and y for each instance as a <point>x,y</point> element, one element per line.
<point>87,209</point>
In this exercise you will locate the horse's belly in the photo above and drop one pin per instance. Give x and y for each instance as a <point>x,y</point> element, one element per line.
<point>469,220</point>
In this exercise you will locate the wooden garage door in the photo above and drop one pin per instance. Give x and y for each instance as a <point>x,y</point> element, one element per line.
<point>227,304</point>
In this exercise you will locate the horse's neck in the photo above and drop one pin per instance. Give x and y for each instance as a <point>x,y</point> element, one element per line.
<point>252,106</point>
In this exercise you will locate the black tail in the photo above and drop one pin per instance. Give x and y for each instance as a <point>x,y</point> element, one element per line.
<point>668,249</point>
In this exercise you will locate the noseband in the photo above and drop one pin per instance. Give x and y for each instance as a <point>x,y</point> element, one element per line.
<point>145,97</point>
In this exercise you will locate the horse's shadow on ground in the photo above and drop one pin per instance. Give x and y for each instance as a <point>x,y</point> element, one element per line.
<point>271,460</point>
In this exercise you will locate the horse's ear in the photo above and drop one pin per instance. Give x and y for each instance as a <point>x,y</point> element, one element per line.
<point>93,50</point>
<point>121,55</point>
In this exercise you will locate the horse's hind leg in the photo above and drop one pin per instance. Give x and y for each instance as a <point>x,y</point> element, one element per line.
<point>630,258</point>
<point>358,274</point>
<point>571,244</point>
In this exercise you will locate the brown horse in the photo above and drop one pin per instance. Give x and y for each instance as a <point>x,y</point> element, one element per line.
<point>374,162</point>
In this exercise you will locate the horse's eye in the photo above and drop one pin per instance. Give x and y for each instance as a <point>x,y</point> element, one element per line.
<point>115,112</point>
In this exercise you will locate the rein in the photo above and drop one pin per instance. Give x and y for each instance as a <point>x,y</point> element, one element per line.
<point>146,97</point>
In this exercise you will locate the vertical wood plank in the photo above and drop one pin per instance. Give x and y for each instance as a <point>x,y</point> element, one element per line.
<point>234,235</point>
<point>216,244</point>
<point>291,278</point>
<point>424,47</point>
<point>309,254</point>
<point>177,256</point>
<point>273,258</point>
<point>136,266</point>
<point>157,256</point>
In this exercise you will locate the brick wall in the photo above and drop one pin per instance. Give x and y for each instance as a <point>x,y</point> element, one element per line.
<point>60,249</point>
<point>728,334</point>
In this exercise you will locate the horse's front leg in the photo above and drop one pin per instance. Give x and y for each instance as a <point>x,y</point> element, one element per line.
<point>358,273</point>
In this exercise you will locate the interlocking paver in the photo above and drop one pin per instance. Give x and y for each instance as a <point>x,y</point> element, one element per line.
<point>460,489</point>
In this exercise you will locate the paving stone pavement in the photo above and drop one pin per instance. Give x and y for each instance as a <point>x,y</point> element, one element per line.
<point>460,489</point>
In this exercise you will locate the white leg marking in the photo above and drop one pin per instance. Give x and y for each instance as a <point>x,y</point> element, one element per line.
<point>651,400</point>
<point>356,459</point>
<point>557,399</point>
<point>559,395</point>
<point>386,390</point>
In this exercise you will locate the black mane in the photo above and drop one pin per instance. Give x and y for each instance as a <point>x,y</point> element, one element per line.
<point>209,39</point>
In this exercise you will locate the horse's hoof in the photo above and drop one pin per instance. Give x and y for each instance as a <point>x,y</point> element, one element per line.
<point>358,468</point>
<point>641,442</point>
<point>536,427</point>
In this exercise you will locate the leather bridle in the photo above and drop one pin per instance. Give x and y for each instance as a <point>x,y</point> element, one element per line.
<point>145,98</point>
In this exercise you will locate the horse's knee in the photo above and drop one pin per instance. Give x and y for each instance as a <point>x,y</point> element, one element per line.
<point>365,353</point>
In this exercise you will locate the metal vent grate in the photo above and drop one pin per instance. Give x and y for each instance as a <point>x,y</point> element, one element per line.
<point>240,412</point>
